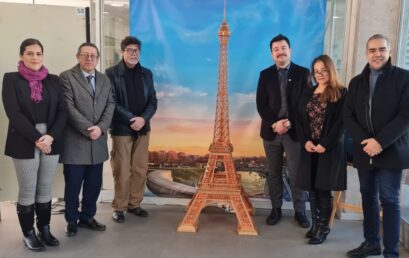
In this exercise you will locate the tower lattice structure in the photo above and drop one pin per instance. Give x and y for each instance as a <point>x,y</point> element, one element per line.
<point>221,186</point>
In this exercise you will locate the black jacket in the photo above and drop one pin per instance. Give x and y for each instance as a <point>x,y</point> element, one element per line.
<point>22,134</point>
<point>331,167</point>
<point>268,97</point>
<point>389,117</point>
<point>120,121</point>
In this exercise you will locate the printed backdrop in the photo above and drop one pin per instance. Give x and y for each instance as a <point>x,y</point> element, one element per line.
<point>181,47</point>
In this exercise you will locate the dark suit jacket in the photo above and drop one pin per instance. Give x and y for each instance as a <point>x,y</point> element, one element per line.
<point>122,115</point>
<point>331,167</point>
<point>22,134</point>
<point>268,97</point>
<point>389,117</point>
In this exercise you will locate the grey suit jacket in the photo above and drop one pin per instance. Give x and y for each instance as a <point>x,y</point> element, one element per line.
<point>85,110</point>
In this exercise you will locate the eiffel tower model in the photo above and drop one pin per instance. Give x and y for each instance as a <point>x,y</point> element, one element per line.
<point>221,186</point>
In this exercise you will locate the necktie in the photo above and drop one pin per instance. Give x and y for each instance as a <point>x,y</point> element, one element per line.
<point>283,90</point>
<point>90,84</point>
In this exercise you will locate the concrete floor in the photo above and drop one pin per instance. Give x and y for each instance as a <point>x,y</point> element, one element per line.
<point>156,237</point>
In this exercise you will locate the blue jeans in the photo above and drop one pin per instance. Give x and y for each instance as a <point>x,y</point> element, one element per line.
<point>385,183</point>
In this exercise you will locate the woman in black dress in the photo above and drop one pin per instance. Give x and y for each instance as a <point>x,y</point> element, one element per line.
<point>322,166</point>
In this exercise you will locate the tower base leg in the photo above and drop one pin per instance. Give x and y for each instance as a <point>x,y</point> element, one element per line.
<point>237,199</point>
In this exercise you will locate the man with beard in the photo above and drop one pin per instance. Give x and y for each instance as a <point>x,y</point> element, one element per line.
<point>136,103</point>
<point>376,113</point>
<point>278,91</point>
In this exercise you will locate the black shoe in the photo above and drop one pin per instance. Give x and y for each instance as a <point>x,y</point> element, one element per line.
<point>315,215</point>
<point>364,250</point>
<point>46,237</point>
<point>118,216</point>
<point>32,242</point>
<point>71,229</point>
<point>313,230</point>
<point>302,219</point>
<point>139,212</point>
<point>274,216</point>
<point>321,235</point>
<point>92,224</point>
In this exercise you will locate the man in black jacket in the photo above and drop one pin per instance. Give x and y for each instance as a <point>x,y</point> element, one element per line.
<point>278,91</point>
<point>376,113</point>
<point>136,103</point>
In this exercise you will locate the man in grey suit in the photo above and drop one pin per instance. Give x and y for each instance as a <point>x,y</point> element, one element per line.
<point>90,108</point>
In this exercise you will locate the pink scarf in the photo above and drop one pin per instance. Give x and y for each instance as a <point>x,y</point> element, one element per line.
<point>34,78</point>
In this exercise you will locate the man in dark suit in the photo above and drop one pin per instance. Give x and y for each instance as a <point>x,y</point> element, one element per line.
<point>90,108</point>
<point>278,91</point>
<point>376,113</point>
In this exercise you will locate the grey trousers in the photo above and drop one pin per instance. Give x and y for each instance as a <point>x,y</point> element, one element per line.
<point>274,153</point>
<point>35,176</point>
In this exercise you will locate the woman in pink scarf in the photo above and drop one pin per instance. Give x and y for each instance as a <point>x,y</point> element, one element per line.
<point>34,103</point>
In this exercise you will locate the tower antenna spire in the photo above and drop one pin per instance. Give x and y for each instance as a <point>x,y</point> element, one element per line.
<point>224,13</point>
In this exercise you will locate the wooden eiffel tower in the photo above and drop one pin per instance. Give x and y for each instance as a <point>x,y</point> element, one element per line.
<point>224,186</point>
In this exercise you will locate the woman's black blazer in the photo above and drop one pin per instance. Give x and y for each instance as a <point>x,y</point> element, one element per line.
<point>22,134</point>
<point>330,171</point>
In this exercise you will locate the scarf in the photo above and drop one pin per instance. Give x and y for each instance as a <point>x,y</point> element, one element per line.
<point>34,78</point>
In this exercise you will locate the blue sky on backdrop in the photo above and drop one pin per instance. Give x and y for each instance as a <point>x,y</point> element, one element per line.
<point>181,47</point>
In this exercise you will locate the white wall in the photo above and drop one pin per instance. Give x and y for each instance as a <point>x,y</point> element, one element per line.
<point>364,19</point>
<point>61,31</point>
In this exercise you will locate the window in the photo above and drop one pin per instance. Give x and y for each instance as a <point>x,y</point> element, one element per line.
<point>403,48</point>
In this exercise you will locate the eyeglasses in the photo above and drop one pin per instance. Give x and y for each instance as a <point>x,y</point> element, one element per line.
<point>132,51</point>
<point>322,72</point>
<point>88,56</point>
